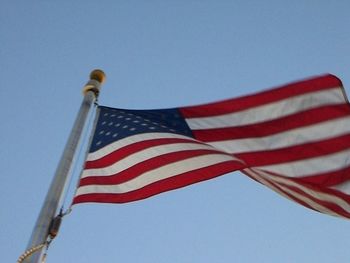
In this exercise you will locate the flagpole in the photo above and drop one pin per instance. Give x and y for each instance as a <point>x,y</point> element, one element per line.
<point>54,195</point>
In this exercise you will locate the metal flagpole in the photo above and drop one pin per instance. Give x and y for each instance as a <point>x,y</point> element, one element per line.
<point>54,196</point>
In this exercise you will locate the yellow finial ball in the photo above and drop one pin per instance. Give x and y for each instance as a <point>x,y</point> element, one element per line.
<point>98,75</point>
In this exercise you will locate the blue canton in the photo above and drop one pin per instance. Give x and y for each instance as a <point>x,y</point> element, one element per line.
<point>115,124</point>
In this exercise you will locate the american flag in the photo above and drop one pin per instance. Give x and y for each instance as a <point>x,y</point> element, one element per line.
<point>294,139</point>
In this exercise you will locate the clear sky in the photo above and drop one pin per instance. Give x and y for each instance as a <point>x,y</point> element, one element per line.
<point>160,54</point>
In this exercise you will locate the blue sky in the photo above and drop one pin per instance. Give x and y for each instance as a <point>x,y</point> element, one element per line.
<point>160,54</point>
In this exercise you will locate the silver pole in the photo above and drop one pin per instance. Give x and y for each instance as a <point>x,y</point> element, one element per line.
<point>54,196</point>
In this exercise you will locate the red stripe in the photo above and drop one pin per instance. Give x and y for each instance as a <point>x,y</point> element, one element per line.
<point>130,149</point>
<point>250,101</point>
<point>327,179</point>
<point>295,199</point>
<point>329,205</point>
<point>295,153</point>
<point>325,190</point>
<point>163,185</point>
<point>145,166</point>
<point>320,189</point>
<point>267,128</point>
<point>317,188</point>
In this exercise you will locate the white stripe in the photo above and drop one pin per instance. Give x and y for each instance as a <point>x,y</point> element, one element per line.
<point>158,174</point>
<point>305,199</point>
<point>266,183</point>
<point>269,111</point>
<point>310,202</point>
<point>311,166</point>
<point>133,139</point>
<point>144,155</point>
<point>318,195</point>
<point>307,134</point>
<point>344,187</point>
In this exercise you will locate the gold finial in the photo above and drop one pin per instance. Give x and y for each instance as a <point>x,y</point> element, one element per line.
<point>98,75</point>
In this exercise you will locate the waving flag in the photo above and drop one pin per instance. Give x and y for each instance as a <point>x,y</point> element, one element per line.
<point>294,139</point>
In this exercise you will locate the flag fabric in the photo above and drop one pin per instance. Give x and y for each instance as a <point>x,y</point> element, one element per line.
<point>295,139</point>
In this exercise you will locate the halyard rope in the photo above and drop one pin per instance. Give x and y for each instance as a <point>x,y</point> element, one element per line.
<point>30,251</point>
